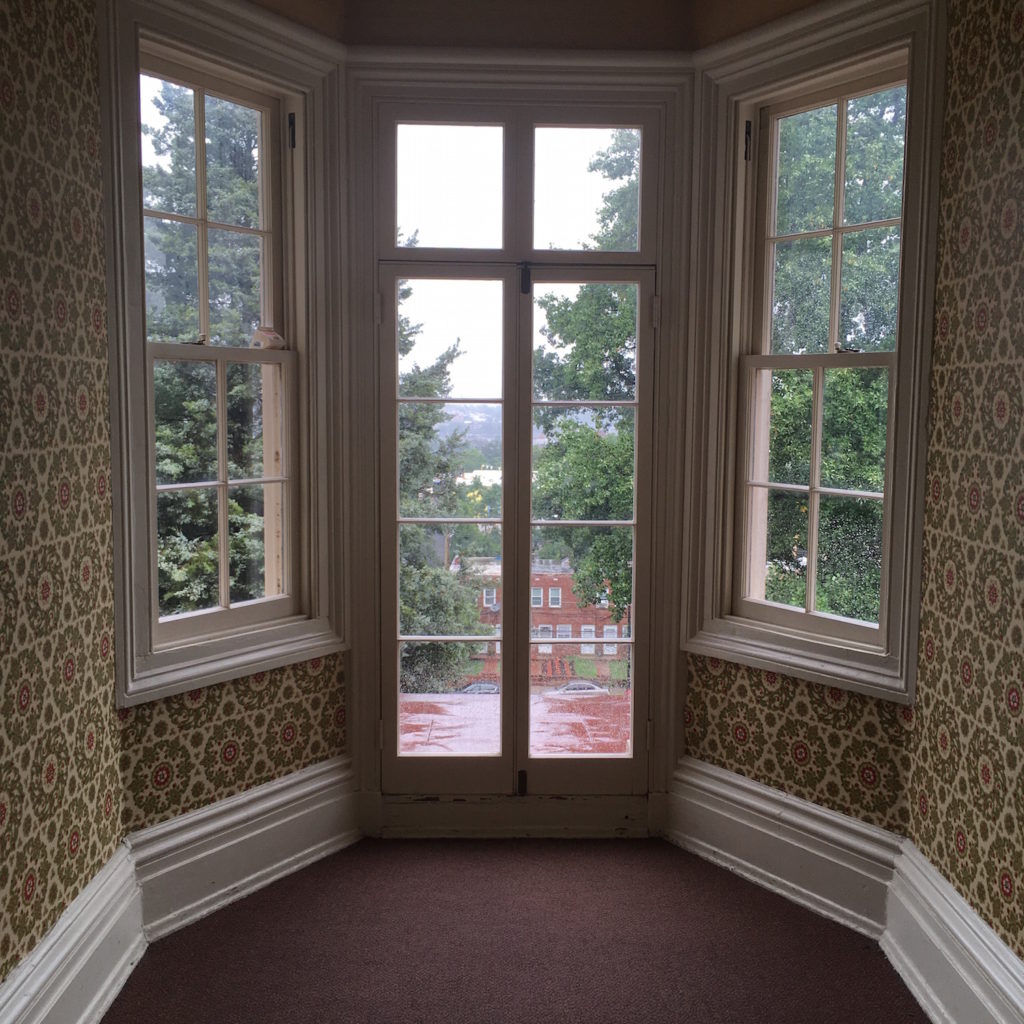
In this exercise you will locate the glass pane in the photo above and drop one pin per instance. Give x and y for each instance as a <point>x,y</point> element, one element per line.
<point>449,460</point>
<point>870,290</point>
<point>849,558</point>
<point>172,280</point>
<point>584,341</point>
<point>187,550</point>
<point>800,300</point>
<point>777,547</point>
<point>443,570</point>
<point>583,462</point>
<point>875,131</point>
<point>586,189</point>
<point>449,339</point>
<point>783,403</point>
<point>185,421</point>
<point>581,705</point>
<point>255,527</point>
<point>167,140</point>
<point>805,195</point>
<point>235,287</point>
<point>255,415</point>
<point>853,436</point>
<point>449,186</point>
<point>593,568</point>
<point>232,163</point>
<point>449,699</point>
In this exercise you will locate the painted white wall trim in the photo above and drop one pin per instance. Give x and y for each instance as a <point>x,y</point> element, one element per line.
<point>198,862</point>
<point>833,864</point>
<point>72,976</point>
<point>167,876</point>
<point>956,966</point>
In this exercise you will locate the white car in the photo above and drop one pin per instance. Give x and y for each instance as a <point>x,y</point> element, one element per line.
<point>580,688</point>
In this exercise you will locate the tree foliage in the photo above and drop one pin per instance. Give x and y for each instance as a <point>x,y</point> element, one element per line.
<point>184,392</point>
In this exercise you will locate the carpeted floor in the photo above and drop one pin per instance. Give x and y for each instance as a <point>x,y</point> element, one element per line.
<point>510,932</point>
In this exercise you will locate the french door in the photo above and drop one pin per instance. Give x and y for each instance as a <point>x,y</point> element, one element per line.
<point>515,433</point>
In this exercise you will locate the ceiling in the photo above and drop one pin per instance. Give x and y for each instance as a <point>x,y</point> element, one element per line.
<point>547,24</point>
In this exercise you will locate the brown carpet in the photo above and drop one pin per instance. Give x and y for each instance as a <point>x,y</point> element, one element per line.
<point>512,932</point>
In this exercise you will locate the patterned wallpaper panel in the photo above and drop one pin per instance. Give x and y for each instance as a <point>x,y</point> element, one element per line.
<point>75,774</point>
<point>967,780</point>
<point>190,750</point>
<point>950,771</point>
<point>60,794</point>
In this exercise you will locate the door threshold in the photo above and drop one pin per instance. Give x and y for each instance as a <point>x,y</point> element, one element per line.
<point>504,816</point>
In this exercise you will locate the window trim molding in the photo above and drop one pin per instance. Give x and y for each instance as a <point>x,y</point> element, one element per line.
<point>237,38</point>
<point>789,58</point>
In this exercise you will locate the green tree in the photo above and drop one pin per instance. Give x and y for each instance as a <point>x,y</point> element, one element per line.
<point>434,597</point>
<point>184,391</point>
<point>586,468</point>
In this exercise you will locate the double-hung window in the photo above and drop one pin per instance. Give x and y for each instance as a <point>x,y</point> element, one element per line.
<point>807,536</point>
<point>221,426</point>
<point>817,388</point>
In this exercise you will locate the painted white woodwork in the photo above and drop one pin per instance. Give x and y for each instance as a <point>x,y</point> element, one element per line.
<point>865,877</point>
<point>78,968</point>
<point>198,862</point>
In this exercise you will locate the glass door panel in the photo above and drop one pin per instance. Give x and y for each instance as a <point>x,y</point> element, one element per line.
<point>443,494</point>
<point>584,415</point>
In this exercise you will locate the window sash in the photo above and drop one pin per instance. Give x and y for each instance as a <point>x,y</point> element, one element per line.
<point>760,357</point>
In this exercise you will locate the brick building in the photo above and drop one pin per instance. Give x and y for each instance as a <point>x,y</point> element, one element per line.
<point>556,614</point>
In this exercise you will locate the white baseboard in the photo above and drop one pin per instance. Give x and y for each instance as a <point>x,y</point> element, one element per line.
<point>833,864</point>
<point>78,968</point>
<point>954,963</point>
<point>958,969</point>
<point>196,863</point>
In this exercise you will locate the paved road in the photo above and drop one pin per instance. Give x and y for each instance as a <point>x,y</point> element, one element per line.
<point>469,723</point>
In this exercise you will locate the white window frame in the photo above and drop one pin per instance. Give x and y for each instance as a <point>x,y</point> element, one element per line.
<point>715,621</point>
<point>554,597</point>
<point>588,633</point>
<point>157,658</point>
<point>490,602</point>
<point>563,631</point>
<point>536,597</point>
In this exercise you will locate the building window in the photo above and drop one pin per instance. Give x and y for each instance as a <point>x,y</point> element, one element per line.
<point>541,632</point>
<point>812,551</point>
<point>212,367</point>
<point>610,632</point>
<point>587,633</point>
<point>563,631</point>
<point>536,597</point>
<point>554,597</point>
<point>490,597</point>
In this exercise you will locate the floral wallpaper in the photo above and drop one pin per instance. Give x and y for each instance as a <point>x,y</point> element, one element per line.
<point>75,774</point>
<point>190,750</point>
<point>948,772</point>
<point>60,794</point>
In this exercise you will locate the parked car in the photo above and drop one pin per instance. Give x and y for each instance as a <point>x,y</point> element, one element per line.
<point>482,686</point>
<point>581,688</point>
